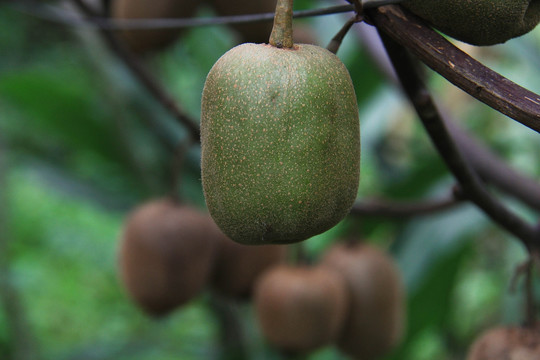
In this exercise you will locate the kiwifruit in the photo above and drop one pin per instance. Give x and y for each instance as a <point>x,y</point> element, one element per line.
<point>479,22</point>
<point>507,343</point>
<point>146,40</point>
<point>238,266</point>
<point>280,142</point>
<point>374,324</point>
<point>300,308</point>
<point>166,254</point>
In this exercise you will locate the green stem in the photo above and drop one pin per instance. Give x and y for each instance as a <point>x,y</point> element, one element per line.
<point>282,32</point>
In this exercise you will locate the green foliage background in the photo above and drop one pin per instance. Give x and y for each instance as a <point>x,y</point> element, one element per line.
<point>82,143</point>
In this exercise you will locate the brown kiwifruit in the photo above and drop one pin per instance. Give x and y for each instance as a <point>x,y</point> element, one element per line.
<point>256,32</point>
<point>507,343</point>
<point>301,308</point>
<point>375,322</point>
<point>145,40</point>
<point>238,266</point>
<point>166,254</point>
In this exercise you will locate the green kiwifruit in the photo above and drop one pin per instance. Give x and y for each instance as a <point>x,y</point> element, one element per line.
<point>374,324</point>
<point>237,267</point>
<point>300,308</point>
<point>166,255</point>
<point>479,22</point>
<point>280,142</point>
<point>507,343</point>
<point>145,40</point>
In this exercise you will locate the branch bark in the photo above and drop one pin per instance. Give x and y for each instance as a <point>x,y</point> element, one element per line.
<point>402,210</point>
<point>489,166</point>
<point>472,187</point>
<point>457,67</point>
<point>54,14</point>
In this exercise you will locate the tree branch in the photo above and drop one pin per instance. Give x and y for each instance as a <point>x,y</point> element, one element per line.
<point>457,67</point>
<point>93,20</point>
<point>486,163</point>
<point>493,170</point>
<point>471,186</point>
<point>402,210</point>
<point>140,72</point>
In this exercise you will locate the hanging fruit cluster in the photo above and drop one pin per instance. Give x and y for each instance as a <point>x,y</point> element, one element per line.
<point>353,298</point>
<point>169,253</point>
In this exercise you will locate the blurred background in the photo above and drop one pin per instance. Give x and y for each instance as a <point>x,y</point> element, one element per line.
<point>82,143</point>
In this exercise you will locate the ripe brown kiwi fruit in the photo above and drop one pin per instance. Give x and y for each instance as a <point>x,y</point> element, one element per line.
<point>375,322</point>
<point>507,343</point>
<point>237,266</point>
<point>142,40</point>
<point>256,32</point>
<point>301,308</point>
<point>166,254</point>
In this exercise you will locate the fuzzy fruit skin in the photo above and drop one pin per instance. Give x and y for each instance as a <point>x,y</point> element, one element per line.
<point>302,308</point>
<point>166,254</point>
<point>375,322</point>
<point>479,22</point>
<point>237,267</point>
<point>143,41</point>
<point>507,343</point>
<point>280,143</point>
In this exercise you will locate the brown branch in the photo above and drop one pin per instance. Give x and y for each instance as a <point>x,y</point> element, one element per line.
<point>335,43</point>
<point>140,72</point>
<point>402,210</point>
<point>457,67</point>
<point>493,170</point>
<point>93,20</point>
<point>472,187</point>
<point>486,163</point>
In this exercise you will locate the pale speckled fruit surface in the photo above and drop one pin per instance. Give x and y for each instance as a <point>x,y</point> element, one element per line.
<point>479,22</point>
<point>280,143</point>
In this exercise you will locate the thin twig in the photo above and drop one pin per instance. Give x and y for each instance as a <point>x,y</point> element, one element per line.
<point>177,162</point>
<point>144,76</point>
<point>58,15</point>
<point>402,210</point>
<point>493,170</point>
<point>471,186</point>
<point>336,41</point>
<point>525,269</point>
<point>457,67</point>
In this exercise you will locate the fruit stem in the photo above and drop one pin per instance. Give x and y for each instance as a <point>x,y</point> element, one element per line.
<point>282,31</point>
